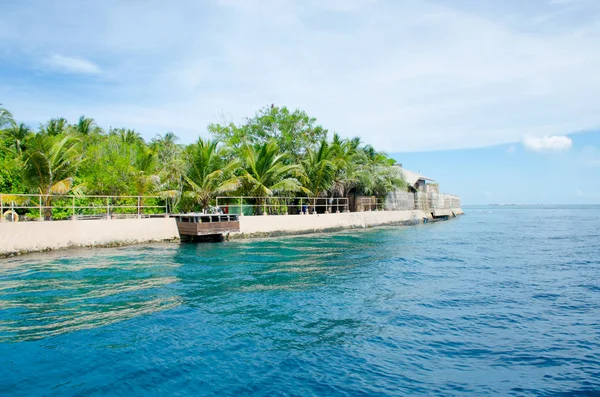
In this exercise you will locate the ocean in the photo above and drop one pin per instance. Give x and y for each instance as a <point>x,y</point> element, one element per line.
<point>504,301</point>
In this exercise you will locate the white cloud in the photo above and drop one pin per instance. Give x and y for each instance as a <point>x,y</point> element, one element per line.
<point>547,143</point>
<point>71,65</point>
<point>404,75</point>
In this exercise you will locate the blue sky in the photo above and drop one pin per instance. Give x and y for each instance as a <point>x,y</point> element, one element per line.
<point>489,97</point>
<point>515,173</point>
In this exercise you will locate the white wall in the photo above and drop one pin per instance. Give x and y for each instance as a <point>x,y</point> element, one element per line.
<point>40,236</point>
<point>317,222</point>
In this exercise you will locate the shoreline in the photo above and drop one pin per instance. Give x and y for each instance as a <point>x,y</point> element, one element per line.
<point>17,239</point>
<point>279,233</point>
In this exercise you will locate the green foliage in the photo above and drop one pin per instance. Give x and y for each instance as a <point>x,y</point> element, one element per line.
<point>17,135</point>
<point>54,127</point>
<point>293,132</point>
<point>319,168</point>
<point>11,180</point>
<point>265,172</point>
<point>51,162</point>
<point>112,170</point>
<point>376,174</point>
<point>10,154</point>
<point>6,117</point>
<point>278,152</point>
<point>171,163</point>
<point>50,165</point>
<point>208,173</point>
<point>85,126</point>
<point>346,175</point>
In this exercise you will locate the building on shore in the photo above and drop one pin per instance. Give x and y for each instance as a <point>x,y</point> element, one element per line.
<point>422,193</point>
<point>415,181</point>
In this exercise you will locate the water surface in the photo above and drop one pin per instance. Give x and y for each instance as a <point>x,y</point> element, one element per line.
<point>502,301</point>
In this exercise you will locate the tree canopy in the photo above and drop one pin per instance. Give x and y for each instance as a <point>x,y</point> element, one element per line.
<point>277,152</point>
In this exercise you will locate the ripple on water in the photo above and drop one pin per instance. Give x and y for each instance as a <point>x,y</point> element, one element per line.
<point>501,302</point>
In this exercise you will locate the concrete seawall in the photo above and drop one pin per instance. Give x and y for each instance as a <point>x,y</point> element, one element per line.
<point>273,225</point>
<point>17,238</point>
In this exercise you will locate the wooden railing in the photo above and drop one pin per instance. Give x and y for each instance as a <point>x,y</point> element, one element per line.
<point>371,204</point>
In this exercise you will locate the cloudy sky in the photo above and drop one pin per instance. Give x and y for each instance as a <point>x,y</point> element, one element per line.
<point>406,76</point>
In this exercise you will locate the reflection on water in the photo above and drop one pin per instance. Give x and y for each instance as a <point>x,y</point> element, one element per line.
<point>40,298</point>
<point>501,303</point>
<point>38,324</point>
<point>47,295</point>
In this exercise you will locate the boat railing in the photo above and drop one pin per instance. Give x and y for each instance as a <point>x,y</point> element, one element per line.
<point>198,217</point>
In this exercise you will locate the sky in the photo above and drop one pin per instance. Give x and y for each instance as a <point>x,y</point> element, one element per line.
<point>491,98</point>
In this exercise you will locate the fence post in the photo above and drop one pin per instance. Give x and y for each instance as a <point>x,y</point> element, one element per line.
<point>241,206</point>
<point>1,209</point>
<point>108,208</point>
<point>40,205</point>
<point>139,214</point>
<point>73,218</point>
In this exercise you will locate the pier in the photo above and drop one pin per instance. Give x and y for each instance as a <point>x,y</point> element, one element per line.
<point>35,222</point>
<point>196,226</point>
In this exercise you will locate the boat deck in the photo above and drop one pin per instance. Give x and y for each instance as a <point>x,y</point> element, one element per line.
<point>206,224</point>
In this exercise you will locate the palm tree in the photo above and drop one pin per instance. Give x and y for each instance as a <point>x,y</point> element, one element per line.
<point>55,127</point>
<point>169,140</point>
<point>126,135</point>
<point>130,136</point>
<point>50,165</point>
<point>6,118</point>
<point>345,174</point>
<point>266,174</point>
<point>18,134</point>
<point>145,172</point>
<point>171,166</point>
<point>376,174</point>
<point>346,156</point>
<point>319,168</point>
<point>85,126</point>
<point>208,173</point>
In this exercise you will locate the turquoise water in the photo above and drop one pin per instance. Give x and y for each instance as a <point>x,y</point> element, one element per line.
<point>502,301</point>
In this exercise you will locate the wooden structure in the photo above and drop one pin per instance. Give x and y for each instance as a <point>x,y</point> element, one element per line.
<point>192,226</point>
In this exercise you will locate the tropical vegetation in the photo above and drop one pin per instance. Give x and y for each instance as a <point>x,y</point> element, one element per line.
<point>276,153</point>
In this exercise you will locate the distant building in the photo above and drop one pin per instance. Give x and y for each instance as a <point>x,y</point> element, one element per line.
<point>415,181</point>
